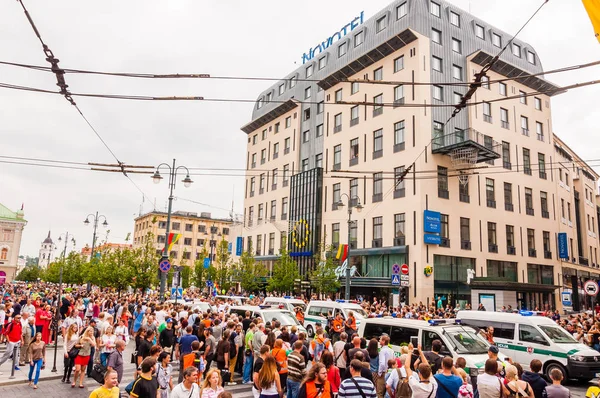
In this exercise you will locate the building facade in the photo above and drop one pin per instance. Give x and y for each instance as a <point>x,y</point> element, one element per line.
<point>198,233</point>
<point>46,255</point>
<point>356,116</point>
<point>11,232</point>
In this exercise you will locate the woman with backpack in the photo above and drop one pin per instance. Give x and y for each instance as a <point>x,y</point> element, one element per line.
<point>280,355</point>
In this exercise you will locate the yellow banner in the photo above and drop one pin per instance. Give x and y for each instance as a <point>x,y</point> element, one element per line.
<point>593,9</point>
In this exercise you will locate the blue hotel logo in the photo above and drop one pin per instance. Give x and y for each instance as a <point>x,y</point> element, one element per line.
<point>319,48</point>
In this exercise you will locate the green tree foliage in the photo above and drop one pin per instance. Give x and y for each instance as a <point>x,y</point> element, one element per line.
<point>222,268</point>
<point>285,270</point>
<point>145,269</point>
<point>30,273</point>
<point>323,278</point>
<point>251,273</point>
<point>117,267</point>
<point>200,274</point>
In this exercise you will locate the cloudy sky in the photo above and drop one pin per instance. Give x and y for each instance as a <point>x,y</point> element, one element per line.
<point>228,37</point>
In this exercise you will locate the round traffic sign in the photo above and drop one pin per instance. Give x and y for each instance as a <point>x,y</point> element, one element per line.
<point>395,269</point>
<point>165,266</point>
<point>404,269</point>
<point>590,287</point>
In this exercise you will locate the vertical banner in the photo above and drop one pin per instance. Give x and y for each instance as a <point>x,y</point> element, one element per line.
<point>239,246</point>
<point>563,247</point>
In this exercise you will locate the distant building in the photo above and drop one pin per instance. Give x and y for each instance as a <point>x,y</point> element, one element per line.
<point>11,231</point>
<point>86,252</point>
<point>46,252</point>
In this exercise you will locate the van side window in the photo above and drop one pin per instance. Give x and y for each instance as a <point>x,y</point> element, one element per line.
<point>315,311</point>
<point>428,338</point>
<point>504,330</point>
<point>375,330</point>
<point>400,335</point>
<point>530,334</point>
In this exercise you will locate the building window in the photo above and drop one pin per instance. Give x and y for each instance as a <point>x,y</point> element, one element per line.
<point>377,187</point>
<point>380,24</point>
<point>342,49</point>
<point>479,31</point>
<point>506,155</point>
<point>305,164</point>
<point>399,143</point>
<point>305,136</point>
<point>508,202</point>
<point>546,240</point>
<point>378,107</point>
<point>525,125</point>
<point>322,62</point>
<point>176,226</point>
<point>502,88</point>
<point>542,165</point>
<point>319,160</point>
<point>465,233</point>
<point>531,242</point>
<point>284,208</point>
<point>485,82</point>
<point>354,88</point>
<point>544,204</point>
<point>497,40</point>
<point>377,231</point>
<point>259,245</point>
<point>438,93</point>
<point>435,9</point>
<point>454,19</point>
<point>335,235</point>
<point>526,161</point>
<point>273,209</point>
<point>538,103</point>
<point>510,237</point>
<point>378,74</point>
<point>523,97</point>
<point>399,229</point>
<point>401,10</point>
<point>456,72</point>
<point>307,92</point>
<point>358,39</point>
<point>263,156</point>
<point>436,36</point>
<point>442,177</point>
<point>354,151</point>
<point>354,113</point>
<point>490,192</point>
<point>337,123</point>
<point>309,70</point>
<point>286,174</point>
<point>286,145</point>
<point>281,88</point>
<point>399,183</point>
<point>457,98</point>
<point>539,129</point>
<point>463,192</point>
<point>353,188</point>
<point>516,50</point>
<point>336,195</point>
<point>456,46</point>
<point>293,81</point>
<point>307,114</point>
<point>377,143</point>
<point>504,118</point>
<point>354,235</point>
<point>436,63</point>
<point>189,227</point>
<point>529,201</point>
<point>530,57</point>
<point>487,112</point>
<point>492,238</point>
<point>337,157</point>
<point>288,121</point>
<point>264,134</point>
<point>445,230</point>
<point>275,173</point>
<point>338,95</point>
<point>398,95</point>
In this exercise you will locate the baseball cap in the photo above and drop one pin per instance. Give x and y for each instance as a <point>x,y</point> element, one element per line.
<point>169,320</point>
<point>493,349</point>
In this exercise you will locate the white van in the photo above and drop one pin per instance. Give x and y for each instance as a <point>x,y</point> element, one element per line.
<point>457,340</point>
<point>317,311</point>
<point>287,303</point>
<point>236,300</point>
<point>524,337</point>
<point>285,317</point>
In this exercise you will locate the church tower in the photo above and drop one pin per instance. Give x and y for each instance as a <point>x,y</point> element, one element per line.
<point>46,252</point>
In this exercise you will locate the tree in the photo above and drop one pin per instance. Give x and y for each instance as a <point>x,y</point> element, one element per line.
<point>251,273</point>
<point>222,267</point>
<point>285,271</point>
<point>200,274</point>
<point>30,273</point>
<point>118,268</point>
<point>145,270</point>
<point>323,278</point>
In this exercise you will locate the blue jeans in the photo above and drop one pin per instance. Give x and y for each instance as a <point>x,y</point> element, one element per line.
<point>104,358</point>
<point>37,365</point>
<point>293,387</point>
<point>247,372</point>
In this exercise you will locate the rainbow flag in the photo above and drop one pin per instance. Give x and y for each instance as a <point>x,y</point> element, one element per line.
<point>342,253</point>
<point>593,9</point>
<point>173,238</point>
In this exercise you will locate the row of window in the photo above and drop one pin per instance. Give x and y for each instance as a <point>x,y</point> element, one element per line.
<point>262,212</point>
<point>176,226</point>
<point>276,127</point>
<point>188,241</point>
<point>259,250</point>
<point>455,19</point>
<point>187,255</point>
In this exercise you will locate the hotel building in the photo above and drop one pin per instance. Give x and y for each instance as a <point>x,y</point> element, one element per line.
<point>355,116</point>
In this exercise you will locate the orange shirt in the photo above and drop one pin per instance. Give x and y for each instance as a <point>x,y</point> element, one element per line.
<point>351,323</point>
<point>338,325</point>
<point>300,317</point>
<point>281,358</point>
<point>207,322</point>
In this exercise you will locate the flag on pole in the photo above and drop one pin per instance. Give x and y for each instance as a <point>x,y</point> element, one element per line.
<point>342,253</point>
<point>173,238</point>
<point>593,9</point>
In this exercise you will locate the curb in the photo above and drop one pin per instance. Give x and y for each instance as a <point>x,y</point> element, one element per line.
<point>13,382</point>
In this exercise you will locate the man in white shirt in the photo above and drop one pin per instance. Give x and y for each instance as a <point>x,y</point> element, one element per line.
<point>161,315</point>
<point>188,387</point>
<point>183,313</point>
<point>28,308</point>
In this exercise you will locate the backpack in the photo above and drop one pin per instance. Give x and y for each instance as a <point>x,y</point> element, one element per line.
<point>319,348</point>
<point>8,329</point>
<point>403,389</point>
<point>232,347</point>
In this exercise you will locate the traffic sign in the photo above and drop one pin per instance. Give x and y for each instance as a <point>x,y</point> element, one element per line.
<point>395,280</point>
<point>566,299</point>
<point>395,269</point>
<point>177,292</point>
<point>590,287</point>
<point>165,266</point>
<point>404,283</point>
<point>404,269</point>
<point>206,262</point>
<point>404,277</point>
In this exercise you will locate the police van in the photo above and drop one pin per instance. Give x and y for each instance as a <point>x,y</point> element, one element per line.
<point>457,340</point>
<point>289,303</point>
<point>318,311</point>
<point>268,314</point>
<point>524,337</point>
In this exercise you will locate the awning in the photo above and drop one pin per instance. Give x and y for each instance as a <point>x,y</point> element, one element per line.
<point>485,283</point>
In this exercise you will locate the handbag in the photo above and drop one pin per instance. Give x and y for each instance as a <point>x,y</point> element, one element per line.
<point>73,352</point>
<point>98,372</point>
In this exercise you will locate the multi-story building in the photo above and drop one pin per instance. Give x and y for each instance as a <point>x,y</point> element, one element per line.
<point>11,232</point>
<point>198,232</point>
<point>46,254</point>
<point>379,101</point>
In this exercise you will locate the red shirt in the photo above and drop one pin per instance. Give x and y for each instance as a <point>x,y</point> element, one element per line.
<point>38,320</point>
<point>16,329</point>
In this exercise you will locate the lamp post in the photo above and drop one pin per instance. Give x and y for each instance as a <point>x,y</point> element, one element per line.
<point>57,314</point>
<point>96,218</point>
<point>187,181</point>
<point>358,208</point>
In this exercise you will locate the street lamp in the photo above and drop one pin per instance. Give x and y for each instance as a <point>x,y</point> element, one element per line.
<point>187,181</point>
<point>356,204</point>
<point>57,314</point>
<point>96,219</point>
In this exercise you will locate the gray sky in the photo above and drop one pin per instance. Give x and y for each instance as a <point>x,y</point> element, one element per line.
<point>234,37</point>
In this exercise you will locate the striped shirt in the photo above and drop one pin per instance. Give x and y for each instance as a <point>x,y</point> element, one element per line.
<point>349,390</point>
<point>296,367</point>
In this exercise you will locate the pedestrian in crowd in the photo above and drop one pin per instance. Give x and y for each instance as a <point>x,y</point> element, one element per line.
<point>121,331</point>
<point>422,383</point>
<point>87,342</point>
<point>280,355</point>
<point>145,346</point>
<point>466,390</point>
<point>385,354</point>
<point>222,356</point>
<point>556,389</point>
<point>488,383</point>
<point>167,336</point>
<point>28,337</point>
<point>296,370</point>
<point>318,345</point>
<point>333,373</point>
<point>95,352</point>
<point>70,341</point>
<point>449,383</point>
<point>210,348</point>
<point>14,337</point>
<point>515,386</point>
<point>248,351</point>
<point>269,382</point>
<point>351,324</point>
<point>316,384</point>
<point>534,378</point>
<point>339,353</point>
<point>259,360</point>
<point>109,389</point>
<point>146,384</point>
<point>107,344</point>
<point>115,360</point>
<point>185,348</point>
<point>433,357</point>
<point>36,351</point>
<point>163,374</point>
<point>373,351</point>
<point>356,386</point>
<point>211,388</point>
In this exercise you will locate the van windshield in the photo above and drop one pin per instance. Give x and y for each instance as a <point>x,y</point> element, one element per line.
<point>466,342</point>
<point>557,335</point>
<point>359,313</point>
<point>286,318</point>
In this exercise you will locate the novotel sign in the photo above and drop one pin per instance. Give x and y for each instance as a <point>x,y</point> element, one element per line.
<point>324,45</point>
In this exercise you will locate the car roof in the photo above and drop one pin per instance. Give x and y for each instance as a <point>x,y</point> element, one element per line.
<point>283,299</point>
<point>505,317</point>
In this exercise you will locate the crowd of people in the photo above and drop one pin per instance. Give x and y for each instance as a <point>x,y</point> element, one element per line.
<point>182,351</point>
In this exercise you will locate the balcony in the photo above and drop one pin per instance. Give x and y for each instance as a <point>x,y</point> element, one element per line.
<point>532,253</point>
<point>378,197</point>
<point>353,161</point>
<point>263,161</point>
<point>378,154</point>
<point>284,216</point>
<point>398,102</point>
<point>337,129</point>
<point>507,165</point>
<point>487,118</point>
<point>251,194</point>
<point>286,151</point>
<point>491,203</point>
<point>464,198</point>
<point>401,241</point>
<point>353,244</point>
<point>285,183</point>
<point>492,248</point>
<point>547,255</point>
<point>377,243</point>
<point>543,175</point>
<point>261,191</point>
<point>583,261</point>
<point>469,138</point>
<point>273,187</point>
<point>465,245</point>
<point>527,170</point>
<point>509,207</point>
<point>377,111</point>
<point>529,211</point>
<point>545,214</point>
<point>504,125</point>
<point>443,194</point>
<point>354,122</point>
<point>399,147</point>
<point>271,252</point>
<point>525,131</point>
<point>253,165</point>
<point>399,193</point>
<point>445,242</point>
<point>511,250</point>
<point>540,137</point>
<point>337,166</point>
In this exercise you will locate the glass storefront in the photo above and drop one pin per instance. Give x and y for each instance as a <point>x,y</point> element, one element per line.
<point>377,266</point>
<point>450,284</point>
